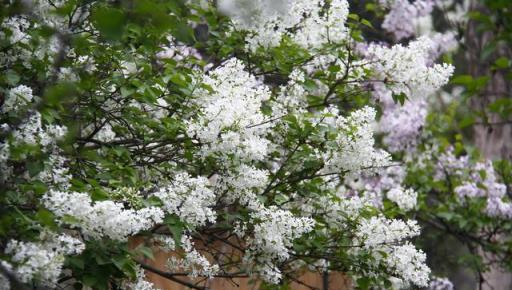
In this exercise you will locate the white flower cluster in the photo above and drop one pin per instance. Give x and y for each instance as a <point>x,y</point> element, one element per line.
<point>5,168</point>
<point>166,243</point>
<point>102,218</point>
<point>406,199</point>
<point>309,23</point>
<point>406,70</point>
<point>193,262</point>
<point>381,235</point>
<point>409,264</point>
<point>26,46</point>
<point>354,147</point>
<point>56,171</point>
<point>32,132</point>
<point>274,231</point>
<point>292,96</point>
<point>374,184</point>
<point>17,27</point>
<point>190,198</point>
<point>230,119</point>
<point>140,282</point>
<point>105,134</point>
<point>243,185</point>
<point>41,262</point>
<point>323,26</point>
<point>17,98</point>
<point>380,231</point>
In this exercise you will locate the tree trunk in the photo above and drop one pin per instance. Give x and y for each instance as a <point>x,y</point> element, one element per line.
<point>492,135</point>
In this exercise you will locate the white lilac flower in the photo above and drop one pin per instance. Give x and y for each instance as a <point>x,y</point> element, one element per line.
<point>41,262</point>
<point>407,70</point>
<point>230,120</point>
<point>190,198</point>
<point>140,283</point>
<point>268,21</point>
<point>102,218</point>
<point>406,199</point>
<point>380,231</point>
<point>353,149</point>
<point>17,98</point>
<point>192,262</point>
<point>409,264</point>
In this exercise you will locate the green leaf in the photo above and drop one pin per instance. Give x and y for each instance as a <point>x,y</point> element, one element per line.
<point>146,251</point>
<point>35,166</point>
<point>501,63</point>
<point>400,98</point>
<point>46,218</point>
<point>353,16</point>
<point>467,121</point>
<point>125,264</point>
<point>11,77</point>
<point>367,23</point>
<point>176,227</point>
<point>109,21</point>
<point>179,79</point>
<point>363,283</point>
<point>462,80</point>
<point>76,262</point>
<point>184,33</point>
<point>488,50</point>
<point>446,215</point>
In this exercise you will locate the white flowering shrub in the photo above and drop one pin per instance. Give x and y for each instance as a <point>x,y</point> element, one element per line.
<point>272,128</point>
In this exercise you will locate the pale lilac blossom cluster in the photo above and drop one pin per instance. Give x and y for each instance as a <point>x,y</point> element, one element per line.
<point>403,15</point>
<point>440,284</point>
<point>403,125</point>
<point>478,180</point>
<point>177,51</point>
